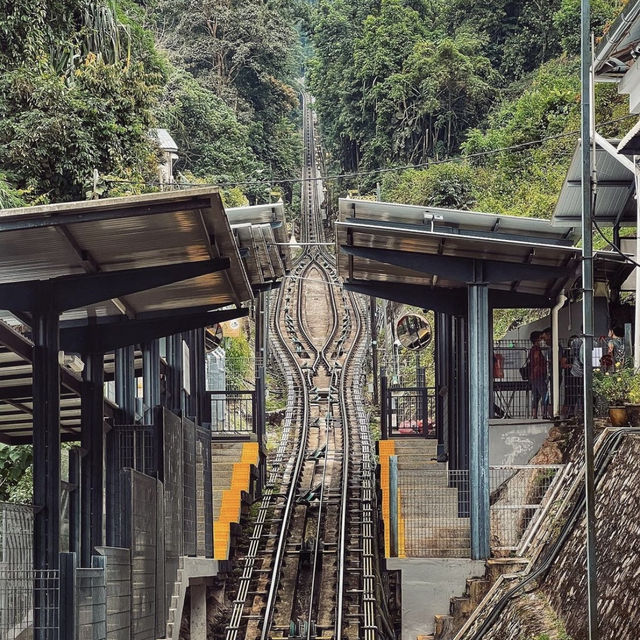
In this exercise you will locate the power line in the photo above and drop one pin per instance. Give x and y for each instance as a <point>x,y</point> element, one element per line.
<point>356,174</point>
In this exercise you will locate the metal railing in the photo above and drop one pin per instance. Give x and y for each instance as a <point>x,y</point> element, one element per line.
<point>408,411</point>
<point>232,412</point>
<point>433,504</point>
<point>518,495</point>
<point>29,604</point>
<point>513,395</point>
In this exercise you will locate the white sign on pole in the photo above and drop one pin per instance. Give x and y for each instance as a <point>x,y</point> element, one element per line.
<point>186,368</point>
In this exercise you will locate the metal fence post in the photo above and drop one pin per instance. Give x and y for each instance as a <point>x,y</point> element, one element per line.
<point>384,428</point>
<point>425,411</point>
<point>67,603</point>
<point>393,505</point>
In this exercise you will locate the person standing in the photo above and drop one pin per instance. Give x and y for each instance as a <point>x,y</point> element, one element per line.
<point>576,374</point>
<point>616,347</point>
<point>537,373</point>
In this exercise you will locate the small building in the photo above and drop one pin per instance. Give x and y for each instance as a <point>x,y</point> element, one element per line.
<point>169,149</point>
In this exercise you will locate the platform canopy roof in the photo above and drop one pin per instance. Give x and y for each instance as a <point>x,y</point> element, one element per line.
<point>155,230</point>
<point>406,254</point>
<point>618,49</point>
<point>615,190</point>
<point>261,233</point>
<point>174,255</point>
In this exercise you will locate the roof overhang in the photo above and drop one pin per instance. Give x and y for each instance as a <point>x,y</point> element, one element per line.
<point>261,233</point>
<point>615,188</point>
<point>132,233</point>
<point>618,49</point>
<point>431,268</point>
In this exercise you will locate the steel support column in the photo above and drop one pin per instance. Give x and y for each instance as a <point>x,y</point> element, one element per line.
<point>373,307</point>
<point>174,373</point>
<point>384,422</point>
<point>587,317</point>
<point>92,464</point>
<point>150,379</point>
<point>260,338</point>
<point>442,362</point>
<point>478,328</point>
<point>46,439</point>
<point>125,383</point>
<point>461,425</point>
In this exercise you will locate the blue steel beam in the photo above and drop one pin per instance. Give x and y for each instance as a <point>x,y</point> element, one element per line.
<point>104,338</point>
<point>70,292</point>
<point>444,300</point>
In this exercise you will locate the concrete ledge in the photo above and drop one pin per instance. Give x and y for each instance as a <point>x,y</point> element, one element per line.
<point>192,568</point>
<point>428,584</point>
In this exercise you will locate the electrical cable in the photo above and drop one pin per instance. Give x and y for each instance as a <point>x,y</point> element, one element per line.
<point>613,246</point>
<point>358,174</point>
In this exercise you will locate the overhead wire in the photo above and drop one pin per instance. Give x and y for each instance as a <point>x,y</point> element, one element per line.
<point>372,172</point>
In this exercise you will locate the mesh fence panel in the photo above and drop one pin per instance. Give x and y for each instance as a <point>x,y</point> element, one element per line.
<point>29,604</point>
<point>433,508</point>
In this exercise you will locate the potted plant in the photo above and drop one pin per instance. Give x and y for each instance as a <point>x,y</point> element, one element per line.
<point>612,391</point>
<point>633,406</point>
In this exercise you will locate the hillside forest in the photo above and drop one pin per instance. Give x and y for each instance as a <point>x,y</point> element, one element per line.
<point>448,84</point>
<point>480,98</point>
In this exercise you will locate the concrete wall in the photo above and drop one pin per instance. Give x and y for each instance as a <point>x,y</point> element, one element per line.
<point>427,587</point>
<point>516,441</point>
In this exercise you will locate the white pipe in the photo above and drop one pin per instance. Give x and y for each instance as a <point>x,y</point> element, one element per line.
<point>555,349</point>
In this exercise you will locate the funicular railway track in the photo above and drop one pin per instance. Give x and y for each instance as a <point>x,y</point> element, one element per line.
<point>309,570</point>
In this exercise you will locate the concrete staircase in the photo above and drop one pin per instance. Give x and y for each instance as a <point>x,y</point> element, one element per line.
<point>428,522</point>
<point>233,466</point>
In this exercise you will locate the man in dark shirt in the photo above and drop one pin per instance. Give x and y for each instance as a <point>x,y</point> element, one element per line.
<point>537,372</point>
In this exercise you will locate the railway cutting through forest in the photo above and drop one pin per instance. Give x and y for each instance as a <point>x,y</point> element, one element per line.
<point>310,568</point>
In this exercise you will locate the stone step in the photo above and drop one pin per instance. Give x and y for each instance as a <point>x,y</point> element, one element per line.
<point>439,553</point>
<point>477,589</point>
<point>443,624</point>
<point>431,490</point>
<point>402,444</point>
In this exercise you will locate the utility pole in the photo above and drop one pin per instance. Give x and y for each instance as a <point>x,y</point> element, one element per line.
<point>587,317</point>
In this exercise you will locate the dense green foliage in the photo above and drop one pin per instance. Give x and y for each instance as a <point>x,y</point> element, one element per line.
<point>15,473</point>
<point>419,81</point>
<point>82,83</point>
<point>75,94</point>
<point>233,106</point>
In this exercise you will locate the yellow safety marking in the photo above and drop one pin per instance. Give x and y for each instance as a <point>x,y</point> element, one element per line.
<point>386,448</point>
<point>231,501</point>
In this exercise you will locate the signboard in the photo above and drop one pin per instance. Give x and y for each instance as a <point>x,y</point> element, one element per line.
<point>231,329</point>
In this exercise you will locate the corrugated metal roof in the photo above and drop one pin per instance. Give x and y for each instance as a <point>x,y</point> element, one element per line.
<point>166,142</point>
<point>455,220</point>
<point>265,247</point>
<point>368,231</point>
<point>124,233</point>
<point>614,195</point>
<point>617,49</point>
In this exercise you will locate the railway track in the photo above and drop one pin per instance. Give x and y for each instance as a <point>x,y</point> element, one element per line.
<point>310,569</point>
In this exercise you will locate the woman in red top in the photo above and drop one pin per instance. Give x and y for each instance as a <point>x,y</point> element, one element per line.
<point>537,372</point>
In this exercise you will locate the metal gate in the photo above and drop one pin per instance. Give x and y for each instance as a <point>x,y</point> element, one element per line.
<point>408,412</point>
